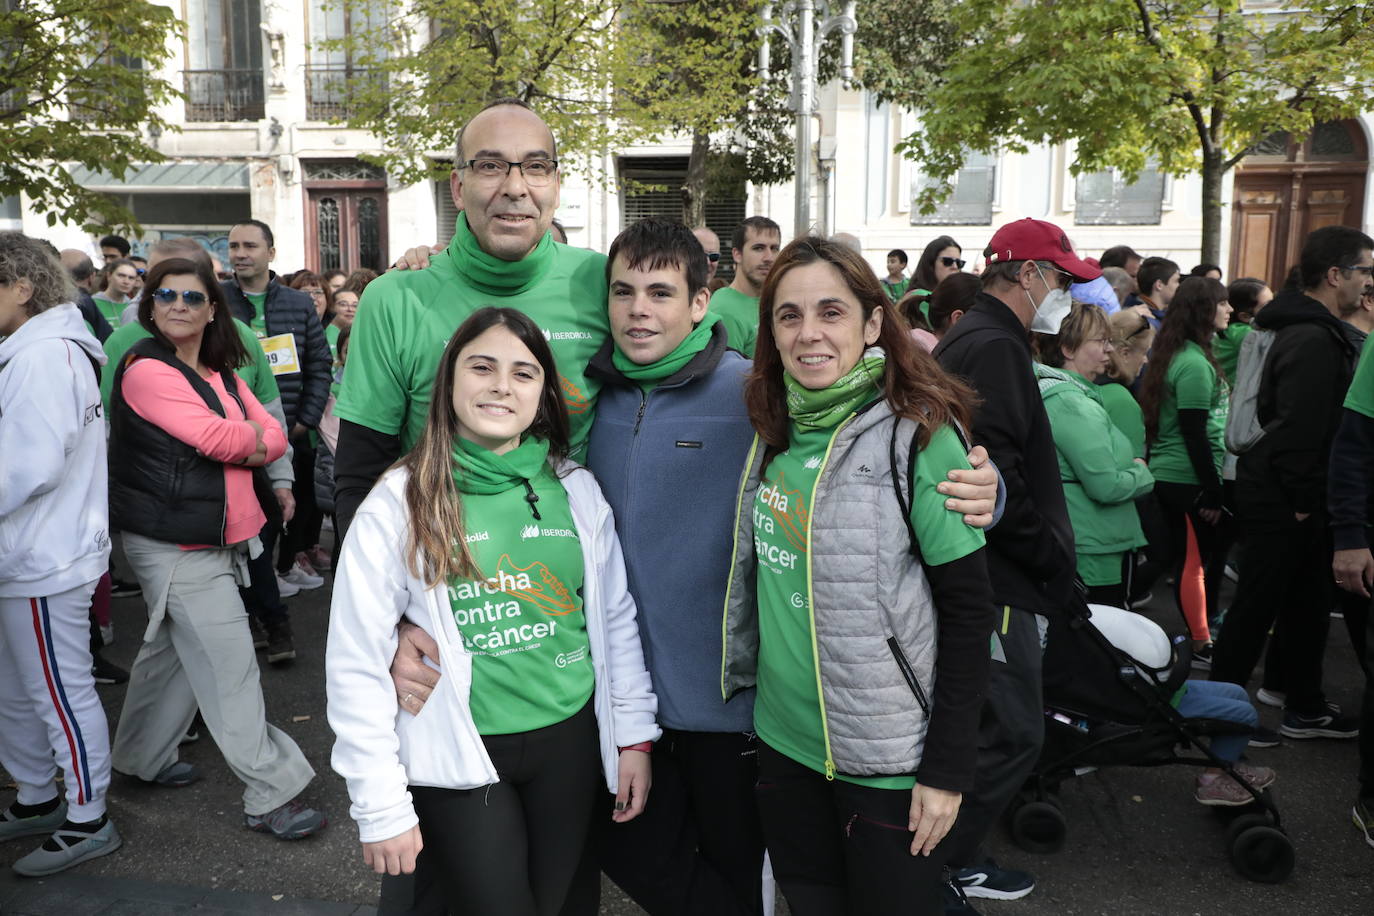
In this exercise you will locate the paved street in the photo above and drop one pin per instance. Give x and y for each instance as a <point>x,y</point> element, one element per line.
<point>1138,844</point>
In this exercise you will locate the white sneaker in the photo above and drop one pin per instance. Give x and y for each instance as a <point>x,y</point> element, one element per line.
<point>1271,697</point>
<point>286,589</point>
<point>302,579</point>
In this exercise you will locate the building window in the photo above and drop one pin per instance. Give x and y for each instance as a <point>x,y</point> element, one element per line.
<point>969,204</point>
<point>334,75</point>
<point>652,186</point>
<point>225,80</point>
<point>1106,199</point>
<point>345,215</point>
<point>10,217</point>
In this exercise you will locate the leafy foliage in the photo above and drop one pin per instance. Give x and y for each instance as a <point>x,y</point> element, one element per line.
<point>76,87</point>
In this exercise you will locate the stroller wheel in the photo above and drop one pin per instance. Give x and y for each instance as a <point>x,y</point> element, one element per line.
<point>1244,822</point>
<point>1262,853</point>
<point>1039,827</point>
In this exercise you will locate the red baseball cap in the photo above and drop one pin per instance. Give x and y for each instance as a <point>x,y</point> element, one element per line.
<point>1036,240</point>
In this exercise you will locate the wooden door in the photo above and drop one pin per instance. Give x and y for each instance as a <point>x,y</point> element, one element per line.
<point>1260,227</point>
<point>346,229</point>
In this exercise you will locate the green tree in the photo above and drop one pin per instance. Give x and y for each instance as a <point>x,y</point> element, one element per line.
<point>76,87</point>
<point>1189,85</point>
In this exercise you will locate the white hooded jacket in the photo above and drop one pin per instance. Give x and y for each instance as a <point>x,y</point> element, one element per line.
<point>54,511</point>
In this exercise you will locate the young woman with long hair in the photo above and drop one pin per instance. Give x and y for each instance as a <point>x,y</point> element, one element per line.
<point>941,258</point>
<point>505,553</point>
<point>869,662</point>
<point>1184,399</point>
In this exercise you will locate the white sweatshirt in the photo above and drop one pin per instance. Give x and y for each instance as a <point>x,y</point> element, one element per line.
<point>54,509</point>
<point>380,748</point>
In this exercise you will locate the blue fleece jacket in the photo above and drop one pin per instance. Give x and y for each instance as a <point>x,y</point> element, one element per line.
<point>669,462</point>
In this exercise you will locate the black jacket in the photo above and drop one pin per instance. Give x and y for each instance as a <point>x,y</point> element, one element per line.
<point>1349,494</point>
<point>1030,551</point>
<point>1306,374</point>
<point>160,487</point>
<point>290,311</point>
<point>91,313</point>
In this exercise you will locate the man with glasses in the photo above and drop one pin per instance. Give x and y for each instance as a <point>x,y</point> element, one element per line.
<point>710,243</point>
<point>1030,265</point>
<point>506,186</point>
<point>754,247</point>
<point>1281,486</point>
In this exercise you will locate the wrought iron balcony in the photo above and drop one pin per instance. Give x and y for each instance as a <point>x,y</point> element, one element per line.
<point>224,95</point>
<point>331,92</point>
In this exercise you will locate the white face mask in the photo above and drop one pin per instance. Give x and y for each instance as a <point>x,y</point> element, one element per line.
<point>1052,310</point>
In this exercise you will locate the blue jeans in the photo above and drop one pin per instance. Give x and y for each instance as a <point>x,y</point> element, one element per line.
<point>1220,700</point>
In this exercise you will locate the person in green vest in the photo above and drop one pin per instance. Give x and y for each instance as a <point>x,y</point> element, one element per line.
<point>895,283</point>
<point>754,247</point>
<point>1247,296</point>
<point>1098,465</point>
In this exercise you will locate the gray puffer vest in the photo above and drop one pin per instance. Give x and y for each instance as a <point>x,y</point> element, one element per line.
<point>873,618</point>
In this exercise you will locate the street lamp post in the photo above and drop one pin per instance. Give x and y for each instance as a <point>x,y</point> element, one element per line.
<point>805,42</point>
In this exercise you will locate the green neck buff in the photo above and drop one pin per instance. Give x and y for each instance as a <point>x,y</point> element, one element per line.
<point>491,275</point>
<point>682,354</point>
<point>826,407</point>
<point>483,472</point>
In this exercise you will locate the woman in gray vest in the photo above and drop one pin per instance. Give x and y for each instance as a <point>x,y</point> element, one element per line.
<point>848,574</point>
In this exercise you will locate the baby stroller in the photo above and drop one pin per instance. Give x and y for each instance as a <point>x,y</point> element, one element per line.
<point>1109,679</point>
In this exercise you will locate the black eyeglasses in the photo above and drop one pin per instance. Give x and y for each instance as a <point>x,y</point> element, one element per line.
<point>953,262</point>
<point>536,172</point>
<point>713,256</point>
<point>194,298</point>
<point>1366,269</point>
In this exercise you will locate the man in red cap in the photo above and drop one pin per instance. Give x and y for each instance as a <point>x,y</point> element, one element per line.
<point>1030,265</point>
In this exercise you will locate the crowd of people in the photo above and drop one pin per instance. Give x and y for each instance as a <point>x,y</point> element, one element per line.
<point>896,488</point>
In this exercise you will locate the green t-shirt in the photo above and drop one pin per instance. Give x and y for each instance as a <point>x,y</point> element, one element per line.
<point>523,623</point>
<point>1226,348</point>
<point>1360,396</point>
<point>259,322</point>
<point>407,317</point>
<point>331,337</point>
<point>895,290</point>
<point>1189,384</point>
<point>787,710</point>
<point>257,375</point>
<point>111,310</point>
<point>1125,414</point>
<point>740,315</point>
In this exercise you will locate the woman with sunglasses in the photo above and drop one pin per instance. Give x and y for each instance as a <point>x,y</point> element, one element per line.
<point>1184,398</point>
<point>487,537</point>
<point>870,661</point>
<point>940,259</point>
<point>1099,467</point>
<point>186,436</point>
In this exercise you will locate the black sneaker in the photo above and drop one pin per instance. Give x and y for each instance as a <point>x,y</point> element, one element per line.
<point>1264,737</point>
<point>106,671</point>
<point>280,648</point>
<point>993,882</point>
<point>1202,658</point>
<point>121,589</point>
<point>1329,723</point>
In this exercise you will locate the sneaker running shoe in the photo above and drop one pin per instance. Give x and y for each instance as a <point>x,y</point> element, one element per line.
<point>257,632</point>
<point>303,561</point>
<point>993,882</point>
<point>1202,658</point>
<point>1264,737</point>
<point>291,821</point>
<point>1363,816</point>
<point>1269,697</point>
<point>191,737</point>
<point>287,589</point>
<point>121,589</point>
<point>302,579</point>
<point>106,671</point>
<point>12,826</point>
<point>177,775</point>
<point>69,846</point>
<point>280,648</point>
<point>1260,778</point>
<point>319,559</point>
<point>1329,723</point>
<point>1222,791</point>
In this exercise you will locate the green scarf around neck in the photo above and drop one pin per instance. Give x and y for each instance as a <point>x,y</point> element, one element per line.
<point>490,274</point>
<point>826,407</point>
<point>682,354</point>
<point>483,472</point>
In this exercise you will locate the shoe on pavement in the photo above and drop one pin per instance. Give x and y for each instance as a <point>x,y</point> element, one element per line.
<point>69,847</point>
<point>302,579</point>
<point>287,589</point>
<point>291,821</point>
<point>191,737</point>
<point>177,775</point>
<point>106,671</point>
<point>121,589</point>
<point>1264,737</point>
<point>1363,816</point>
<point>303,561</point>
<point>989,880</point>
<point>12,827</point>
<point>1260,778</point>
<point>1329,723</point>
<point>1202,658</point>
<point>1222,791</point>
<point>956,902</point>
<point>257,632</point>
<point>280,648</point>
<point>1269,697</point>
<point>319,559</point>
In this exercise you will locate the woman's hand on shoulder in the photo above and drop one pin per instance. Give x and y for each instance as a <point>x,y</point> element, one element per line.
<point>395,856</point>
<point>932,815</point>
<point>973,492</point>
<point>636,776</point>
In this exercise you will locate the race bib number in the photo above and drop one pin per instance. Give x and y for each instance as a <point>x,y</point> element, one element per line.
<point>281,353</point>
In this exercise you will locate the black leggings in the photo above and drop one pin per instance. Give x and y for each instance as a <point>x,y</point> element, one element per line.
<point>840,849</point>
<point>1178,501</point>
<point>511,848</point>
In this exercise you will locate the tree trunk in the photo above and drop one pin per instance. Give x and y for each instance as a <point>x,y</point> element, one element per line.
<point>1213,171</point>
<point>694,185</point>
